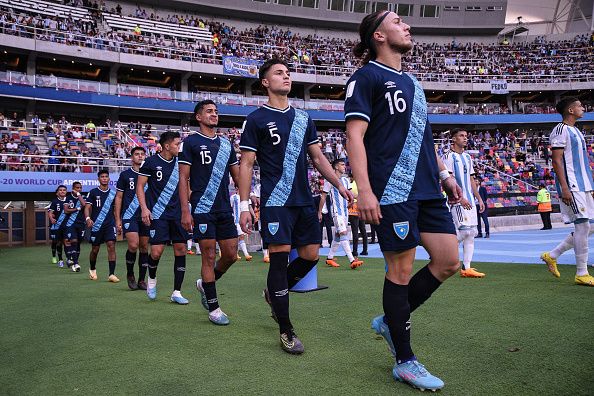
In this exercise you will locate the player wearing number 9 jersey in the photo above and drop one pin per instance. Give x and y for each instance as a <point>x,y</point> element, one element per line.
<point>392,155</point>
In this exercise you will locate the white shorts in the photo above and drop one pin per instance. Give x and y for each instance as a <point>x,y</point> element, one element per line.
<point>464,218</point>
<point>582,207</point>
<point>239,230</point>
<point>340,223</point>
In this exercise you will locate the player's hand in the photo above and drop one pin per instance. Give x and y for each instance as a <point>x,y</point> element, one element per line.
<point>119,227</point>
<point>90,223</point>
<point>566,197</point>
<point>53,221</point>
<point>187,221</point>
<point>369,208</point>
<point>346,194</point>
<point>481,206</point>
<point>452,189</point>
<point>245,221</point>
<point>146,217</point>
<point>465,204</point>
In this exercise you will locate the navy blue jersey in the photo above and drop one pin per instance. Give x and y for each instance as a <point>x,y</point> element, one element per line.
<point>75,218</point>
<point>209,160</point>
<point>401,160</point>
<point>162,197</point>
<point>101,207</point>
<point>57,207</point>
<point>281,138</point>
<point>127,185</point>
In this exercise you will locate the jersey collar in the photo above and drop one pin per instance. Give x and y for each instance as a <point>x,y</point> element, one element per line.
<point>208,137</point>
<point>275,109</point>
<point>388,68</point>
<point>165,159</point>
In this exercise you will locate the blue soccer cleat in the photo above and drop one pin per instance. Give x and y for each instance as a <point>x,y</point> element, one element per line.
<point>416,375</point>
<point>202,294</point>
<point>179,300</point>
<point>218,317</point>
<point>380,327</point>
<point>61,263</point>
<point>151,292</point>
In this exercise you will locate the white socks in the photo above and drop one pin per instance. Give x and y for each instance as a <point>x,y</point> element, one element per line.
<point>189,244</point>
<point>152,282</point>
<point>580,241</point>
<point>265,252</point>
<point>467,239</point>
<point>333,249</point>
<point>243,247</point>
<point>176,293</point>
<point>346,246</point>
<point>566,244</point>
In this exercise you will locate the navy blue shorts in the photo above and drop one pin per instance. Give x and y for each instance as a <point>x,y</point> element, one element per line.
<point>402,223</point>
<point>104,234</point>
<point>162,232</point>
<point>75,232</point>
<point>294,225</point>
<point>219,226</point>
<point>135,225</point>
<point>56,234</point>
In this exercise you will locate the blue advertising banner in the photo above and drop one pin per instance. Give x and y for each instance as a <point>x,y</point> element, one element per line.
<point>241,66</point>
<point>12,181</point>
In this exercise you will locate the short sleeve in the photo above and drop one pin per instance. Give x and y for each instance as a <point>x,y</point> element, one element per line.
<point>88,201</point>
<point>145,168</point>
<point>312,132</point>
<point>121,184</point>
<point>359,97</point>
<point>52,207</point>
<point>558,138</point>
<point>232,157</point>
<point>185,154</point>
<point>327,186</point>
<point>249,136</point>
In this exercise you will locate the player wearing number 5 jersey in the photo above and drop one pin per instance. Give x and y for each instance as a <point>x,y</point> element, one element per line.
<point>392,155</point>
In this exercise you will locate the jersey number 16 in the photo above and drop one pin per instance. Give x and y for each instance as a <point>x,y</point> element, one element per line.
<point>398,103</point>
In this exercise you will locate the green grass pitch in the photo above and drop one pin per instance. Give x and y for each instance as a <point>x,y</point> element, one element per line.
<point>519,331</point>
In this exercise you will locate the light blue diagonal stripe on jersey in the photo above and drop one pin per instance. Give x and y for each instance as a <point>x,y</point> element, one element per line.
<point>218,171</point>
<point>576,148</point>
<point>104,211</point>
<point>60,220</point>
<point>457,172</point>
<point>283,188</point>
<point>468,182</point>
<point>403,176</point>
<point>133,206</point>
<point>73,215</point>
<point>586,161</point>
<point>167,192</point>
<point>345,204</point>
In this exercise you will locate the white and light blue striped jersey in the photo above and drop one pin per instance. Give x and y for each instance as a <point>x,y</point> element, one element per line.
<point>460,165</point>
<point>575,157</point>
<point>339,205</point>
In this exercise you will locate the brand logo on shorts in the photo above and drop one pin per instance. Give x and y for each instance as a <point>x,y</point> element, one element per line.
<point>126,225</point>
<point>273,228</point>
<point>202,228</point>
<point>401,229</point>
<point>152,232</point>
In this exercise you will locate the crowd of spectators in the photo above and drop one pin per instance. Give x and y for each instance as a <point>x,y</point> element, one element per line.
<point>538,60</point>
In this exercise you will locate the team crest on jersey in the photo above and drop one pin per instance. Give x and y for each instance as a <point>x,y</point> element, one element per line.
<point>126,225</point>
<point>273,228</point>
<point>390,84</point>
<point>92,239</point>
<point>152,232</point>
<point>401,229</point>
<point>202,228</point>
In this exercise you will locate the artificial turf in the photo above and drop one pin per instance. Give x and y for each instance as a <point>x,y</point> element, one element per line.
<point>519,331</point>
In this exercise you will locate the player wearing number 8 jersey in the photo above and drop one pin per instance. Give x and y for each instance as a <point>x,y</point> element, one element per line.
<point>395,166</point>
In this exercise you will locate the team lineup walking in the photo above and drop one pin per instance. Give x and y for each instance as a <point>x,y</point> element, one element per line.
<point>391,174</point>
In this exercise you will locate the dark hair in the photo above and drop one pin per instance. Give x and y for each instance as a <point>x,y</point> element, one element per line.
<point>337,161</point>
<point>76,183</point>
<point>61,186</point>
<point>564,104</point>
<point>268,64</point>
<point>102,172</point>
<point>365,48</point>
<point>167,137</point>
<point>200,105</point>
<point>455,131</point>
<point>541,185</point>
<point>137,148</point>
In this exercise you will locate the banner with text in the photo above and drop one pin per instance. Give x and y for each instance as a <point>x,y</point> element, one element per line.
<point>11,181</point>
<point>241,66</point>
<point>499,87</point>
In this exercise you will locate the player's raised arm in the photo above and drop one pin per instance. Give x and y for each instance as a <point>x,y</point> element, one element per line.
<point>367,202</point>
<point>246,171</point>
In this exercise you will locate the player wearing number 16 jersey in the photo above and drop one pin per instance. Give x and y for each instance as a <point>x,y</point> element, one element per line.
<point>392,155</point>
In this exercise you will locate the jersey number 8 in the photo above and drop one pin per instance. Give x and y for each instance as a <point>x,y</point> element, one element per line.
<point>399,103</point>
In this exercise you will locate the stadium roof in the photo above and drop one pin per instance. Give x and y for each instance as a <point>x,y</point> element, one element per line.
<point>551,16</point>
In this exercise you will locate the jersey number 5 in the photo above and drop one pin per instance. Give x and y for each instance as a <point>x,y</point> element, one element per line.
<point>398,103</point>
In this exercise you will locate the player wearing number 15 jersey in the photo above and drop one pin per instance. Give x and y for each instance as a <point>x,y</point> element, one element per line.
<point>392,155</point>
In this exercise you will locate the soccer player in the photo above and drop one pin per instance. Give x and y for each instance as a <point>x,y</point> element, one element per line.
<point>340,216</point>
<point>241,235</point>
<point>75,224</point>
<point>56,216</point>
<point>101,220</point>
<point>459,164</point>
<point>282,136</point>
<point>206,161</point>
<point>392,155</point>
<point>161,211</point>
<point>573,176</point>
<point>129,223</point>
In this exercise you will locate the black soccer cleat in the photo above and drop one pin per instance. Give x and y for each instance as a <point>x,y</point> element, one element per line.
<point>267,299</point>
<point>141,285</point>
<point>290,343</point>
